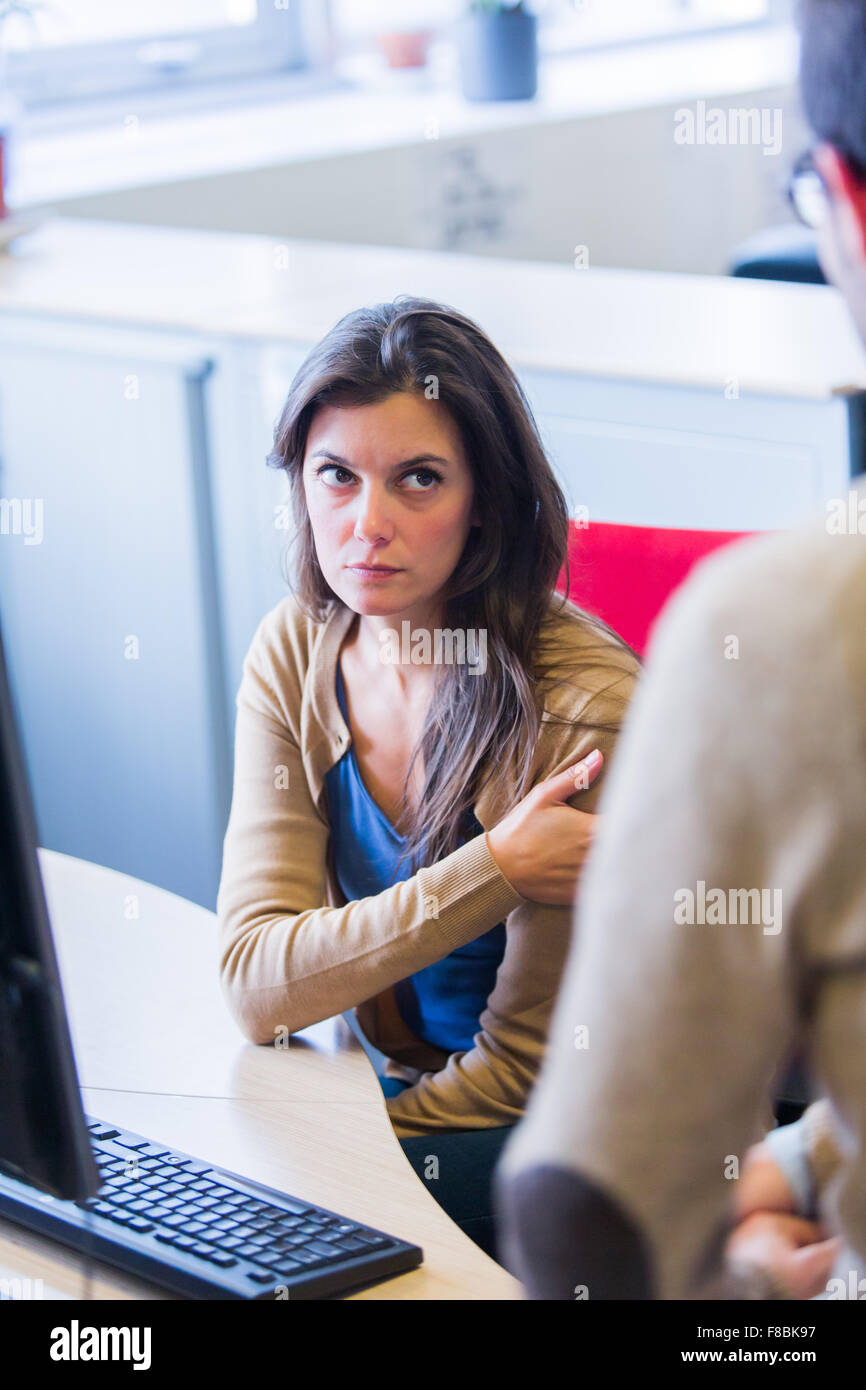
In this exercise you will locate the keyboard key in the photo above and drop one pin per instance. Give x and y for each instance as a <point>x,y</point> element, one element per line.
<point>319,1247</point>
<point>272,1259</point>
<point>138,1223</point>
<point>224,1261</point>
<point>202,1250</point>
<point>309,1257</point>
<point>295,1208</point>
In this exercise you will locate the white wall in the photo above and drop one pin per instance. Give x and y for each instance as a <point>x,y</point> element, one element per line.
<point>618,184</point>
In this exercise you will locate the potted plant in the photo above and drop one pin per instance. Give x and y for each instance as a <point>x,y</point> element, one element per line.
<point>405,48</point>
<point>497,43</point>
<point>403,31</point>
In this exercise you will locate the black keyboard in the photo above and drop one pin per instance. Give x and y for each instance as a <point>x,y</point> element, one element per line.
<point>204,1232</point>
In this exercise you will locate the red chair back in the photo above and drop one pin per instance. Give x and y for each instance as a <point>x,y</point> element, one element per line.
<point>626,574</point>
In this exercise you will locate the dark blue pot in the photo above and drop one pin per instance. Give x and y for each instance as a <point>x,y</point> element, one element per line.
<point>498,56</point>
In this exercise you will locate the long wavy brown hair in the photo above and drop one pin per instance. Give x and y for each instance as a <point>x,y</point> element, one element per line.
<point>479,725</point>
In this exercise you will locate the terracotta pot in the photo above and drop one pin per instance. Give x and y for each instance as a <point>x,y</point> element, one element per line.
<point>406,50</point>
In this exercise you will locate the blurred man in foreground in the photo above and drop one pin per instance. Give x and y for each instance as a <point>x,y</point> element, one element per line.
<point>738,803</point>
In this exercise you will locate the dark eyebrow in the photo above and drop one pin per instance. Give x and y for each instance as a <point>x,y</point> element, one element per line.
<point>407,463</point>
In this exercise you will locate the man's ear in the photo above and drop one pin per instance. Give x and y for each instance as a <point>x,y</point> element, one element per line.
<point>847,192</point>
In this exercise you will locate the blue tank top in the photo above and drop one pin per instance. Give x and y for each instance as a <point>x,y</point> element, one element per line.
<point>443,1002</point>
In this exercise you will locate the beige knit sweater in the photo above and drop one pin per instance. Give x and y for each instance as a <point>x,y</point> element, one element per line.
<point>741,766</point>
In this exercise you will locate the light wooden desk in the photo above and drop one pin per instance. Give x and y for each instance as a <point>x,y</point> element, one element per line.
<point>157,1051</point>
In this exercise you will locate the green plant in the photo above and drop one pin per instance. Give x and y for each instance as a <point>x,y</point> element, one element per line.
<point>495,6</point>
<point>22,7</point>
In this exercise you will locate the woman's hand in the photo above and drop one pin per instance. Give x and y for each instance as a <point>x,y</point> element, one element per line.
<point>542,843</point>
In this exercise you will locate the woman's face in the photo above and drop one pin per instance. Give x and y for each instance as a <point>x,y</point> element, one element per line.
<point>388,484</point>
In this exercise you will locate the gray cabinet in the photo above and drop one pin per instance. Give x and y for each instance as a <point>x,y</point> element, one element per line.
<point>664,455</point>
<point>110,615</point>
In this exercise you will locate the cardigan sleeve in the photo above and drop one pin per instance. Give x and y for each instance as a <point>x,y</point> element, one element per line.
<point>488,1086</point>
<point>287,961</point>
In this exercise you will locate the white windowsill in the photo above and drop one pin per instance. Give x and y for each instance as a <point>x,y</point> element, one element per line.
<point>403,110</point>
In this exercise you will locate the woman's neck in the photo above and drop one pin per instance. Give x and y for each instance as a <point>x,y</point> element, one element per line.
<point>365,644</point>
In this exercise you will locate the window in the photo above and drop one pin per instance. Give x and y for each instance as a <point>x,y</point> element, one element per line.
<point>73,50</point>
<point>575,24</point>
<point>69,50</point>
<point>564,24</point>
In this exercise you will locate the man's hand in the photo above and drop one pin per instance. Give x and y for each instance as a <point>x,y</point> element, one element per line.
<point>771,1237</point>
<point>797,1253</point>
<point>762,1185</point>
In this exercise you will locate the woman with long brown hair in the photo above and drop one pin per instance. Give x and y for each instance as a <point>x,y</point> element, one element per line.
<point>413,723</point>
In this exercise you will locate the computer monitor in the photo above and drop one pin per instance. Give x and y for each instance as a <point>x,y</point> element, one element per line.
<point>44,1139</point>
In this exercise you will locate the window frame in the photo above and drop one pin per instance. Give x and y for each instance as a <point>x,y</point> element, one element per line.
<point>277,42</point>
<point>560,38</point>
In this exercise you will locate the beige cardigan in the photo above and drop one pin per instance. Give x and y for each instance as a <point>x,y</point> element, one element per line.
<point>293,952</point>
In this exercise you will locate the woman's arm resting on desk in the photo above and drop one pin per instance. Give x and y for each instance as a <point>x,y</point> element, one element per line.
<point>286,960</point>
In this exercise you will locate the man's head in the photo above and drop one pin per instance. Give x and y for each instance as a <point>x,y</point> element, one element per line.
<point>833,83</point>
